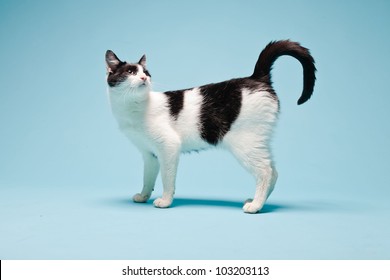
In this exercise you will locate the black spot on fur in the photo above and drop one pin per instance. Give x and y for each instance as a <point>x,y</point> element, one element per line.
<point>147,72</point>
<point>220,108</point>
<point>120,73</point>
<point>175,102</point>
<point>131,69</point>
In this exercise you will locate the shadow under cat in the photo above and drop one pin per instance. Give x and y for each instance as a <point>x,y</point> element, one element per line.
<point>189,202</point>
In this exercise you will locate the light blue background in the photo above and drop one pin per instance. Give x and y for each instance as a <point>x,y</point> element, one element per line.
<point>67,174</point>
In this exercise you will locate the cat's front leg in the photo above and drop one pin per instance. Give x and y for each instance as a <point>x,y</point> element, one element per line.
<point>169,159</point>
<point>151,169</point>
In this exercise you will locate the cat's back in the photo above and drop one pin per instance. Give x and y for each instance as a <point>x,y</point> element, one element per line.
<point>204,115</point>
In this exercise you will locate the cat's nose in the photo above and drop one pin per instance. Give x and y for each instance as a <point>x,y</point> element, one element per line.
<point>143,78</point>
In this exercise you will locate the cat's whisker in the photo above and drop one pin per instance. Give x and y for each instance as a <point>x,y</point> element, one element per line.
<point>127,90</point>
<point>125,94</point>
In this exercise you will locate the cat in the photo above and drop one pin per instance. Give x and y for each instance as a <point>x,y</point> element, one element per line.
<point>237,115</point>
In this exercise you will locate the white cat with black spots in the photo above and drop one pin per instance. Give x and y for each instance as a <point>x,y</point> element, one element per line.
<point>237,115</point>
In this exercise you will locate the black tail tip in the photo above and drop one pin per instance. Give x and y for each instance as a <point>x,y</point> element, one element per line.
<point>304,97</point>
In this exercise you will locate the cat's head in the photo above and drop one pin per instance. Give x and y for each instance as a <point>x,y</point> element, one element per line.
<point>121,74</point>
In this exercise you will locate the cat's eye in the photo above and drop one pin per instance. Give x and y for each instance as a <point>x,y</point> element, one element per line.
<point>131,72</point>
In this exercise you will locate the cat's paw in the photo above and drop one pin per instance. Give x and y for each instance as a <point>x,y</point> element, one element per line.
<point>250,207</point>
<point>140,198</point>
<point>162,203</point>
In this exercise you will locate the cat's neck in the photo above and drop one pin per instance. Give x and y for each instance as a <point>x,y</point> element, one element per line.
<point>129,105</point>
<point>130,98</point>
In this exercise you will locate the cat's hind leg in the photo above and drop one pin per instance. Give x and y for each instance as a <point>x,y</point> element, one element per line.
<point>273,180</point>
<point>270,190</point>
<point>264,187</point>
<point>255,157</point>
<point>151,169</point>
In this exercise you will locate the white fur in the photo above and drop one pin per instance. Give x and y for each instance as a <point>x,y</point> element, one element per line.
<point>143,116</point>
<point>248,140</point>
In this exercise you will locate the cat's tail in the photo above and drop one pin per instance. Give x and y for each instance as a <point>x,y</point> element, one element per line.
<point>286,47</point>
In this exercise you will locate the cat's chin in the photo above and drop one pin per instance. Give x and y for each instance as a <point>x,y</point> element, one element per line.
<point>127,86</point>
<point>144,86</point>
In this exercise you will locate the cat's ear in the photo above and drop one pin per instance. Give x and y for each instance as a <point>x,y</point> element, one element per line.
<point>112,61</point>
<point>142,61</point>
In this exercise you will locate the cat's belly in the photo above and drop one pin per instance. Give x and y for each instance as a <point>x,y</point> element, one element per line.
<point>194,143</point>
<point>144,142</point>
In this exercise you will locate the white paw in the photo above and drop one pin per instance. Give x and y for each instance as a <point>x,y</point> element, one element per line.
<point>162,203</point>
<point>250,207</point>
<point>140,198</point>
